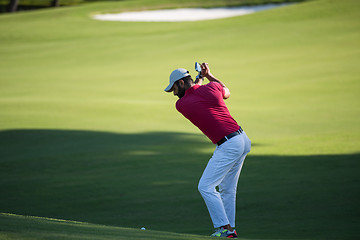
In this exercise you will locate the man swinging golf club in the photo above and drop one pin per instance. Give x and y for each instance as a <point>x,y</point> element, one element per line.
<point>204,106</point>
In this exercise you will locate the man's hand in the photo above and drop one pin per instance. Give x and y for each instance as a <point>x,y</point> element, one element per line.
<point>205,72</point>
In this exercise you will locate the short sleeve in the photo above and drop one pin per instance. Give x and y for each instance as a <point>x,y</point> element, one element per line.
<point>217,86</point>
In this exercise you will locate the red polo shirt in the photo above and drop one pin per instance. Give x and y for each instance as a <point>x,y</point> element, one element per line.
<point>204,106</point>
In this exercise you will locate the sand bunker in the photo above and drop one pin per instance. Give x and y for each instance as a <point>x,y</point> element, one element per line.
<point>183,14</point>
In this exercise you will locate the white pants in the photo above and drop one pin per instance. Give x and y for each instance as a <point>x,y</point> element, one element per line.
<point>223,170</point>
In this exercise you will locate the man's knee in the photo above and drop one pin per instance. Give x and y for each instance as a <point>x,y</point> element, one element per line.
<point>228,190</point>
<point>203,188</point>
<point>200,187</point>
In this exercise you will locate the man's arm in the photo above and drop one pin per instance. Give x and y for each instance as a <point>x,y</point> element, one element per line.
<point>205,71</point>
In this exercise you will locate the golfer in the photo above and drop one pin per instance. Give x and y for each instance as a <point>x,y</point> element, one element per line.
<point>204,106</point>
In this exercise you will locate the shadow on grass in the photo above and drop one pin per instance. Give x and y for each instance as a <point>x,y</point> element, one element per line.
<point>150,179</point>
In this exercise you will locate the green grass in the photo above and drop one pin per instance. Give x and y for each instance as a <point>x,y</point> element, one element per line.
<point>87,133</point>
<point>49,228</point>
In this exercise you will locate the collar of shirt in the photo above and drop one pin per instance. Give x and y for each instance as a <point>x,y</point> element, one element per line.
<point>192,89</point>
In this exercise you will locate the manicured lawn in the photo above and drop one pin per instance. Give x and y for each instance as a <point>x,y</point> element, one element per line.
<point>88,134</point>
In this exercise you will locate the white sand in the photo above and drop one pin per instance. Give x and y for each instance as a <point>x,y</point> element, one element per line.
<point>183,14</point>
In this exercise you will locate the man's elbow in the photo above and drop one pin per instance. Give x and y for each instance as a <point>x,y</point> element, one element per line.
<point>227,93</point>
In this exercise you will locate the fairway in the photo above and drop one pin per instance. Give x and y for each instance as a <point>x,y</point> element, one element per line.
<point>50,228</point>
<point>87,133</point>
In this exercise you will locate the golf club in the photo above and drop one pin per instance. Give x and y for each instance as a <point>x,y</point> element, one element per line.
<point>198,69</point>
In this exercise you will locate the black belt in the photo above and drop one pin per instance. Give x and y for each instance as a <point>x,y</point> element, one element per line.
<point>224,139</point>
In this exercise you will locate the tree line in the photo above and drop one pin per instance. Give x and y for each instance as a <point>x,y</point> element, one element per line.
<point>13,5</point>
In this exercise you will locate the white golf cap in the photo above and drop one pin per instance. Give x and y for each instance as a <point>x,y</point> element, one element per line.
<point>176,75</point>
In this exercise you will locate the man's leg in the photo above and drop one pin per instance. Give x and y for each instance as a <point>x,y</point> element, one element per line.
<point>228,186</point>
<point>222,161</point>
<point>212,176</point>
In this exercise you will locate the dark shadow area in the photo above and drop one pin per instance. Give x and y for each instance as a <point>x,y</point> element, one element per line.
<point>26,5</point>
<point>150,179</point>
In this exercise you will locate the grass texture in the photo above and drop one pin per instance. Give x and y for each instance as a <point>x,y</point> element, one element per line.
<point>87,133</point>
<point>49,228</point>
